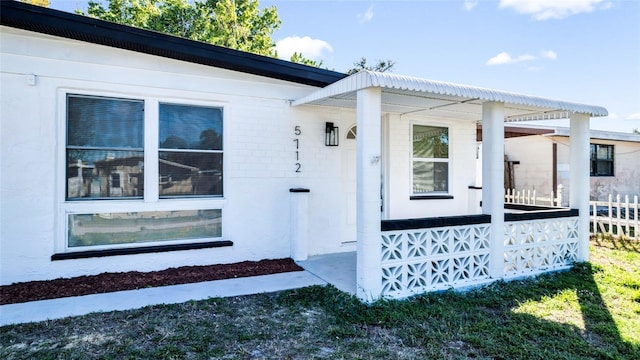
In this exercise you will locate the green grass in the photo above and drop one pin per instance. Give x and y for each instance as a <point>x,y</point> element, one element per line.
<point>589,312</point>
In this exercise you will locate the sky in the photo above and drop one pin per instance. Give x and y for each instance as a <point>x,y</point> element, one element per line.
<point>585,51</point>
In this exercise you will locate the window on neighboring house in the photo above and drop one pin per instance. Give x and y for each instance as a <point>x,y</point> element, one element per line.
<point>105,137</point>
<point>190,150</point>
<point>601,160</point>
<point>430,160</point>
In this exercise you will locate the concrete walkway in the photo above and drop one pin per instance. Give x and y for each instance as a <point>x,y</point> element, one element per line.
<point>134,299</point>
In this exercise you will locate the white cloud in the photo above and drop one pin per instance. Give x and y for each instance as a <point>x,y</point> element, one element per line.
<point>470,4</point>
<point>549,54</point>
<point>612,116</point>
<point>554,9</point>
<point>313,49</point>
<point>635,116</point>
<point>504,58</point>
<point>366,16</point>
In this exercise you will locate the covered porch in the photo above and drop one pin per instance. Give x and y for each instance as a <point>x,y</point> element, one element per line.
<point>398,257</point>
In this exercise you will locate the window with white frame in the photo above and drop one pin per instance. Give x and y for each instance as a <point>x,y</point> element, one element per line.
<point>601,160</point>
<point>430,160</point>
<point>190,150</point>
<point>105,155</point>
<point>105,138</point>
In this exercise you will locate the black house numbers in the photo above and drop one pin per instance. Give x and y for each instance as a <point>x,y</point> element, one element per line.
<point>297,132</point>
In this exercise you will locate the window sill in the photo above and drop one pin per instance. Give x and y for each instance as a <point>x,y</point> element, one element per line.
<point>139,250</point>
<point>431,197</point>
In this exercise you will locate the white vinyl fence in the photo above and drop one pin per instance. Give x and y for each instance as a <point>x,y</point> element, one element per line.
<point>617,218</point>
<point>530,197</point>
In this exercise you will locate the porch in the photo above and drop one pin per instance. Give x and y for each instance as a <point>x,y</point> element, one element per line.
<point>432,254</point>
<point>451,246</point>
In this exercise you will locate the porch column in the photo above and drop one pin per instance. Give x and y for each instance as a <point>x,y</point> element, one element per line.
<point>579,138</point>
<point>493,180</point>
<point>368,152</point>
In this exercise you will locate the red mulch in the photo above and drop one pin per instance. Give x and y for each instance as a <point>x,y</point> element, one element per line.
<point>109,282</point>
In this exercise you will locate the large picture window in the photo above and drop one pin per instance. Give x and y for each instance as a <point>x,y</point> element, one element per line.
<point>105,140</point>
<point>601,160</point>
<point>114,146</point>
<point>430,160</point>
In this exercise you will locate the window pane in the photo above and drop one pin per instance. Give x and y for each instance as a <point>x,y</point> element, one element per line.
<point>104,122</point>
<point>104,174</point>
<point>430,142</point>
<point>430,177</point>
<point>190,173</point>
<point>605,152</point>
<point>605,168</point>
<point>141,227</point>
<point>190,127</point>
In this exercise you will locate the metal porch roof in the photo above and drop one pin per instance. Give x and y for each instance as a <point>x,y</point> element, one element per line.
<point>407,95</point>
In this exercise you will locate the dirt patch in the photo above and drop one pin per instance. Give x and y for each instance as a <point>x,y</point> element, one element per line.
<point>109,282</point>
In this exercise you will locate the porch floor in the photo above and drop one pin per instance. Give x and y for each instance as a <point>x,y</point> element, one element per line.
<point>338,269</point>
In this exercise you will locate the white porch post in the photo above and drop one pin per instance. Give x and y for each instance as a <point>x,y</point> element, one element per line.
<point>579,184</point>
<point>369,262</point>
<point>493,181</point>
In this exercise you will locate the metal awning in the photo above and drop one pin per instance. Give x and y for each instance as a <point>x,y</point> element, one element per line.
<point>410,95</point>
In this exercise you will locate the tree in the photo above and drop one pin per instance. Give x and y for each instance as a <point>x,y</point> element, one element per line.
<point>236,24</point>
<point>380,66</point>
<point>636,131</point>
<point>300,59</point>
<point>43,3</point>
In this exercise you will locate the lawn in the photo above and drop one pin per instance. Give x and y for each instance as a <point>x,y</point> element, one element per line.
<point>589,312</point>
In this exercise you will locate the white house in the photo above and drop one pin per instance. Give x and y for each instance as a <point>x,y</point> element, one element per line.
<point>124,149</point>
<point>542,156</point>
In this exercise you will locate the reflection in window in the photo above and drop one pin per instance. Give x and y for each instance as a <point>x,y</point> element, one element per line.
<point>190,158</point>
<point>105,139</point>
<point>430,159</point>
<point>601,160</point>
<point>142,227</point>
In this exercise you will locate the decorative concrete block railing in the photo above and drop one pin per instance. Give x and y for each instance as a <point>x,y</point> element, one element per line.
<point>536,242</point>
<point>423,255</point>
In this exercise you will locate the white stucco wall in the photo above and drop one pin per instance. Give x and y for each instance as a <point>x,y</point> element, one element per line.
<point>535,171</point>
<point>626,168</point>
<point>259,158</point>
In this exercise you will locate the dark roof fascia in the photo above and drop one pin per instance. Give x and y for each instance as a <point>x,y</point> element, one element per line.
<point>67,25</point>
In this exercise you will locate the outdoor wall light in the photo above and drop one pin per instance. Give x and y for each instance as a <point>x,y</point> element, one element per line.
<point>331,134</point>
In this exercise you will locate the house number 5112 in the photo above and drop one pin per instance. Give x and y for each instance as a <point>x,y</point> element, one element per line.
<point>297,132</point>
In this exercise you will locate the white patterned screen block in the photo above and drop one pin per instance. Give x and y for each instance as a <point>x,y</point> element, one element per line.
<point>422,260</point>
<point>535,246</point>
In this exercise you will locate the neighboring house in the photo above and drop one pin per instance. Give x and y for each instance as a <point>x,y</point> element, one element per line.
<point>542,159</point>
<point>124,149</point>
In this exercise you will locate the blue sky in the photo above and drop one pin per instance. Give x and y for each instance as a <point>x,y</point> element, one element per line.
<point>585,51</point>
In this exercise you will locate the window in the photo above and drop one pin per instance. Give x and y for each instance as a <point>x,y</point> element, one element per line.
<point>430,160</point>
<point>109,156</point>
<point>190,150</point>
<point>104,139</point>
<point>601,160</point>
<point>99,229</point>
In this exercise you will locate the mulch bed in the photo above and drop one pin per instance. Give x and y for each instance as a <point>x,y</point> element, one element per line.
<point>109,282</point>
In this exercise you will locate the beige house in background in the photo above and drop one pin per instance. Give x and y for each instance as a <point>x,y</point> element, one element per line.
<point>540,160</point>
